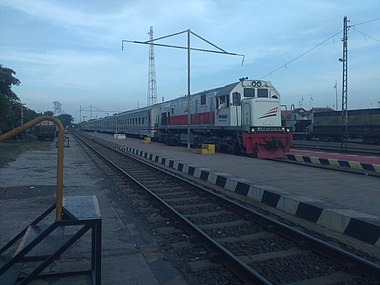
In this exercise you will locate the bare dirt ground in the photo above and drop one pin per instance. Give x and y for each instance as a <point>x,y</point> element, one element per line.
<point>11,149</point>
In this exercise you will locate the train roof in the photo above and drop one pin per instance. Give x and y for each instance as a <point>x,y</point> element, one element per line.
<point>226,90</point>
<point>142,109</point>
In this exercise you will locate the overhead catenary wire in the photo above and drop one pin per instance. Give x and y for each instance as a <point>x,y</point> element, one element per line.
<point>366,22</point>
<point>285,65</point>
<point>301,55</point>
<point>364,34</point>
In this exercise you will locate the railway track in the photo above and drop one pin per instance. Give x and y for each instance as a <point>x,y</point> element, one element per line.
<point>234,244</point>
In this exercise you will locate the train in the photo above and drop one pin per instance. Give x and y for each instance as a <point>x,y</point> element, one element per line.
<point>240,117</point>
<point>45,130</point>
<point>326,124</point>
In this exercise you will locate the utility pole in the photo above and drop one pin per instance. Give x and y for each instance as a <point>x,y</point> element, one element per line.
<point>336,97</point>
<point>152,85</point>
<point>188,91</point>
<point>22,113</point>
<point>344,61</point>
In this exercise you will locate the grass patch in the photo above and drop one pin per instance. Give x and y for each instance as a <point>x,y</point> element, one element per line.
<point>10,149</point>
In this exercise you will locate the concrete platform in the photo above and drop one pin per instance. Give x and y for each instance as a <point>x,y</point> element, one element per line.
<point>27,188</point>
<point>342,202</point>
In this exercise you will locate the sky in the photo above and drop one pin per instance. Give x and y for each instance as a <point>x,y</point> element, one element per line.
<point>70,51</point>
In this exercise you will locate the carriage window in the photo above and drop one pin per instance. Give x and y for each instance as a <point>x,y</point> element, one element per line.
<point>249,92</point>
<point>203,100</point>
<point>262,93</point>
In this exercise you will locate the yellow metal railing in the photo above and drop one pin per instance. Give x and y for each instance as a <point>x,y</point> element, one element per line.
<point>61,131</point>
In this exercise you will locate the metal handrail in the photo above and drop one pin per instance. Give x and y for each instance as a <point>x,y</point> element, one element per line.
<point>61,131</point>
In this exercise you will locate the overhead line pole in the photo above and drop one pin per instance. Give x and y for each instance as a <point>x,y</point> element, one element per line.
<point>188,48</point>
<point>188,91</point>
<point>344,61</point>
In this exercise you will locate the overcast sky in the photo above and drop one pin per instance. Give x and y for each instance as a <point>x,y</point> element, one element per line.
<point>70,50</point>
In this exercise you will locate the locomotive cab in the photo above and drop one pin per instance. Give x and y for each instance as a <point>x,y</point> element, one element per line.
<point>257,110</point>
<point>260,106</point>
<point>250,104</point>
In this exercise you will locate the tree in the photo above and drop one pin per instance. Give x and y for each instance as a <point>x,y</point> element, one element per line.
<point>49,113</point>
<point>66,119</point>
<point>57,107</point>
<point>6,81</point>
<point>29,114</point>
<point>10,108</point>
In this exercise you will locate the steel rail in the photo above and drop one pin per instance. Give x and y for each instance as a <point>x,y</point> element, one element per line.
<point>240,268</point>
<point>344,258</point>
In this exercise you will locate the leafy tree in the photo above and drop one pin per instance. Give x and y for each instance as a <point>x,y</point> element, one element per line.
<point>66,119</point>
<point>29,114</point>
<point>9,102</point>
<point>6,81</point>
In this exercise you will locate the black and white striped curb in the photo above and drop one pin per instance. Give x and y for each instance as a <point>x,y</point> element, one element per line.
<point>352,223</point>
<point>335,162</point>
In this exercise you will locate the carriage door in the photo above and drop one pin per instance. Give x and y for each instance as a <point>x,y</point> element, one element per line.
<point>212,111</point>
<point>246,114</point>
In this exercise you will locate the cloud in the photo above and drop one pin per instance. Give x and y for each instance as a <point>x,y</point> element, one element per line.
<point>71,50</point>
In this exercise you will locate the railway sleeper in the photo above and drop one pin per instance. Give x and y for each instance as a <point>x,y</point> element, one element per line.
<point>168,196</point>
<point>223,225</point>
<point>184,199</point>
<point>207,215</point>
<point>273,254</point>
<point>182,207</point>
<point>249,237</point>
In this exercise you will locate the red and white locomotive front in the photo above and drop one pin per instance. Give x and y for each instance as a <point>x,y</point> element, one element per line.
<point>254,107</point>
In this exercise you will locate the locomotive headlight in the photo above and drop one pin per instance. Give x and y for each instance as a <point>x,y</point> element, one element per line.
<point>285,130</point>
<point>253,130</point>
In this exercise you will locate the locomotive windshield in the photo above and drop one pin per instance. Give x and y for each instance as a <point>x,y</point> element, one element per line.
<point>249,92</point>
<point>262,93</point>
